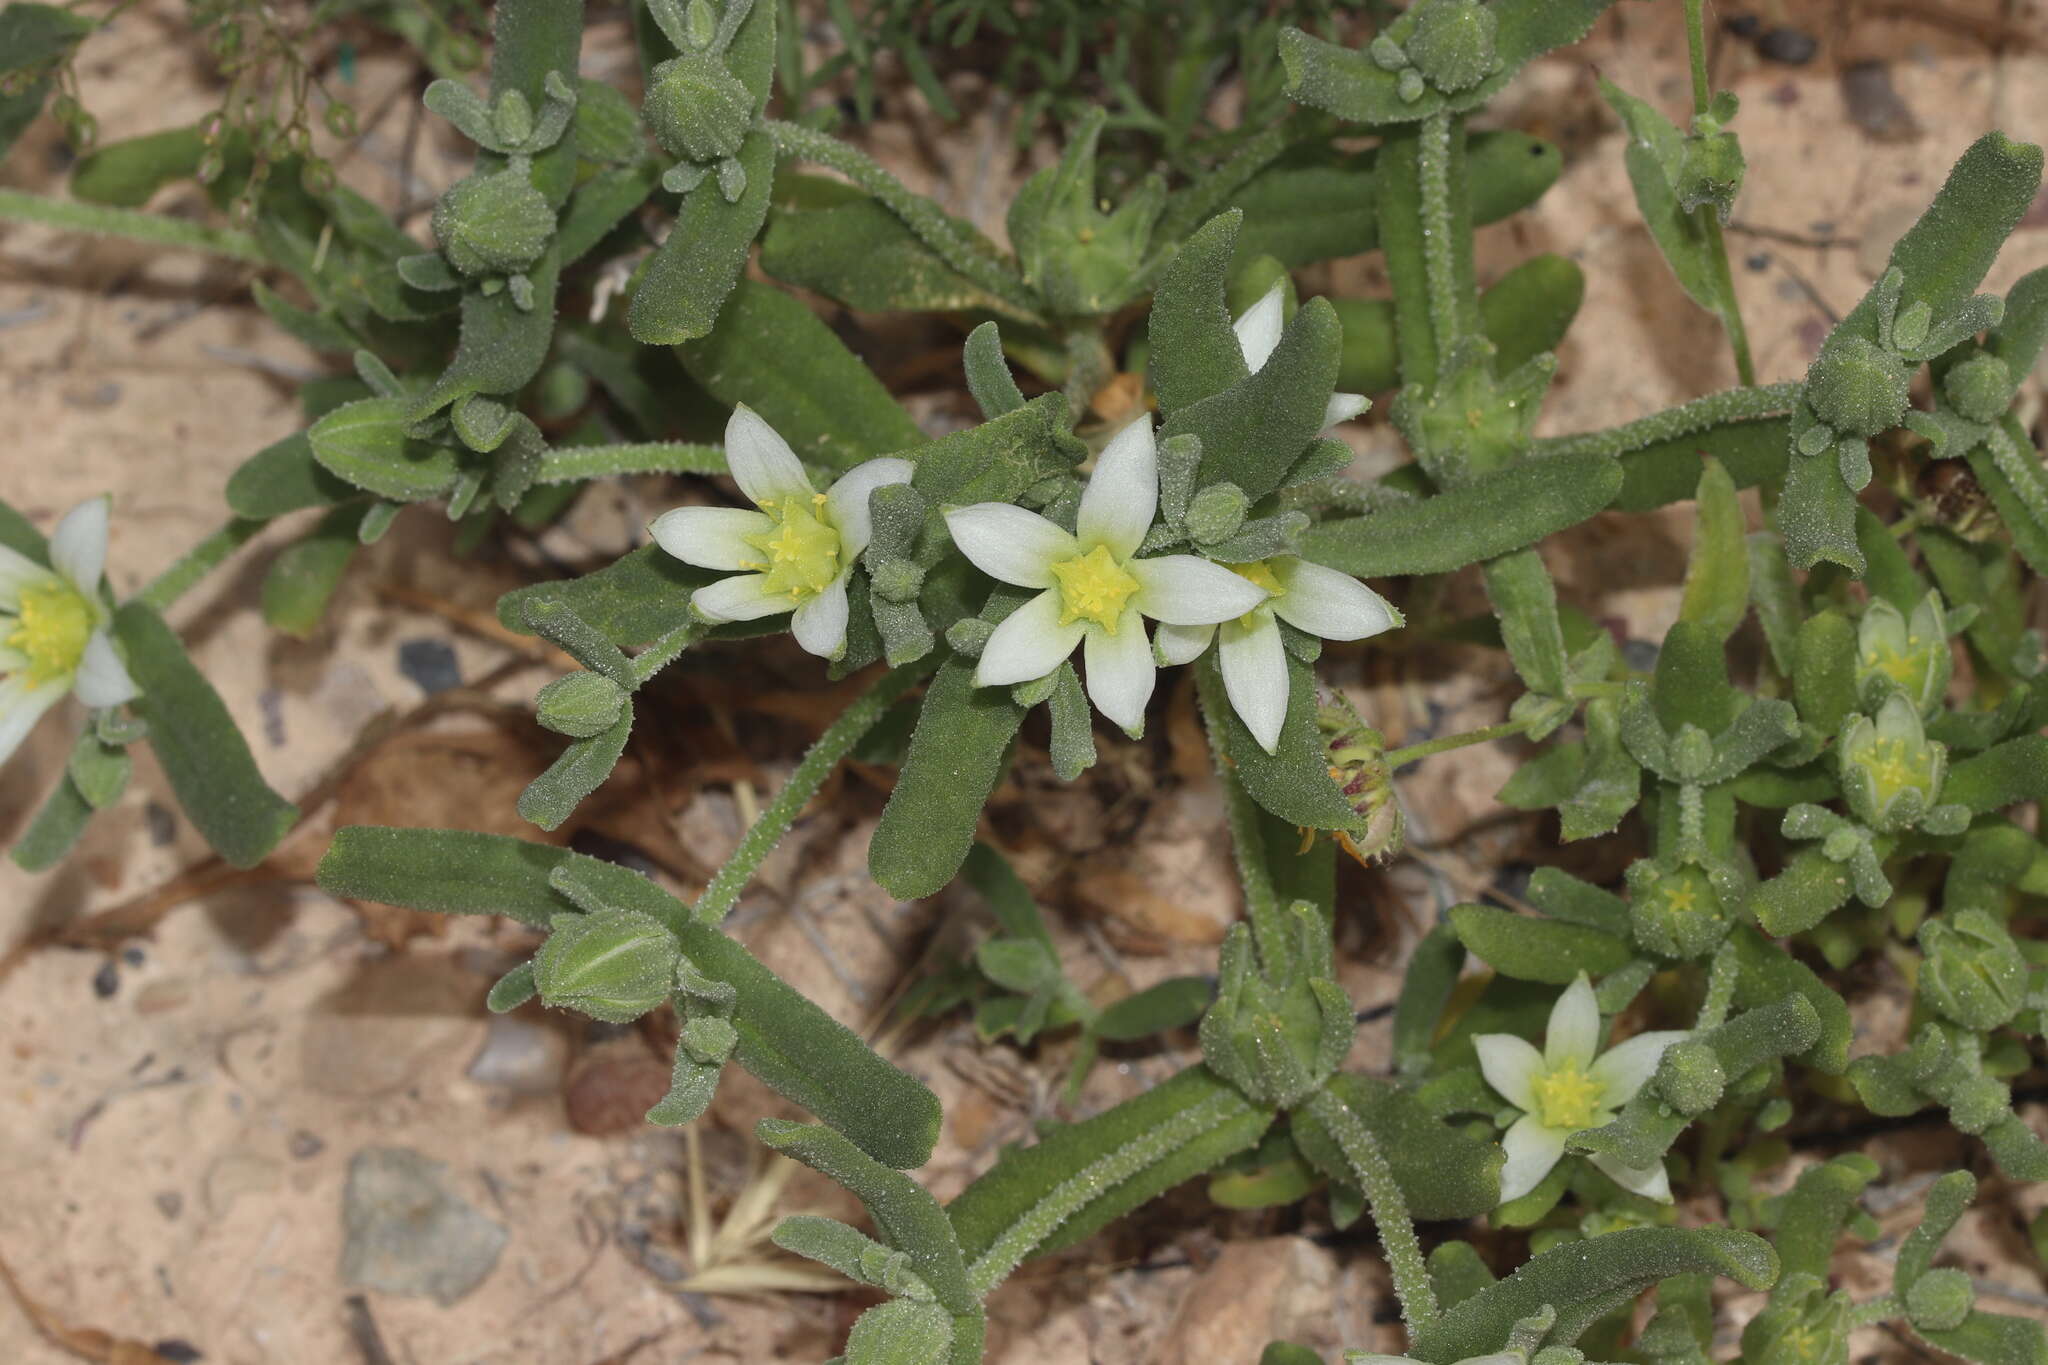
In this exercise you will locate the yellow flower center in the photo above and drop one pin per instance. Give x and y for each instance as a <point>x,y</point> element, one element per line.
<point>1568,1098</point>
<point>802,548</point>
<point>1904,668</point>
<point>1680,899</point>
<point>52,629</point>
<point>1257,572</point>
<point>1891,769</point>
<point>1093,587</point>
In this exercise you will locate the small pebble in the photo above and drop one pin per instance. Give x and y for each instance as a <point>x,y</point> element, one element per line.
<point>305,1146</point>
<point>1743,25</point>
<point>271,702</point>
<point>178,1352</point>
<point>134,956</point>
<point>106,980</point>
<point>170,1203</point>
<point>1787,47</point>
<point>163,826</point>
<point>430,663</point>
<point>1759,262</point>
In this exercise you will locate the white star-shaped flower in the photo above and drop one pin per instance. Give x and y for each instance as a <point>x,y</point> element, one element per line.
<point>1258,335</point>
<point>795,553</point>
<point>1566,1089</point>
<point>53,627</point>
<point>1325,603</point>
<point>1092,592</point>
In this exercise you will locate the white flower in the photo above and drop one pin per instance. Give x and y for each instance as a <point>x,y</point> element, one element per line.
<point>794,554</point>
<point>1309,597</point>
<point>1258,333</point>
<point>53,627</point>
<point>1565,1089</point>
<point>1092,590</point>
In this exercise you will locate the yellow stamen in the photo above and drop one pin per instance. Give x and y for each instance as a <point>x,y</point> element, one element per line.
<point>1093,587</point>
<point>52,629</point>
<point>802,548</point>
<point>1568,1098</point>
<point>1257,572</point>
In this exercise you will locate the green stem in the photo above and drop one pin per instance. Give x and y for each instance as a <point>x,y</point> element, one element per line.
<point>723,891</point>
<point>1722,975</point>
<point>153,228</point>
<point>1716,409</point>
<point>1709,221</point>
<point>1696,41</point>
<point>1247,841</point>
<point>1439,249</point>
<point>956,243</point>
<point>1389,1208</point>
<point>571,464</point>
<point>664,652</point>
<point>1397,758</point>
<point>198,562</point>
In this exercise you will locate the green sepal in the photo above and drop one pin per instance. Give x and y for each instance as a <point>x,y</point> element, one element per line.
<point>1073,725</point>
<point>1532,949</point>
<point>512,990</point>
<point>686,284</point>
<point>195,739</point>
<point>999,459</point>
<point>98,770</point>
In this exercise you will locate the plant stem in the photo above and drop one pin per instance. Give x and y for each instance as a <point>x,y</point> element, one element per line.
<point>664,651</point>
<point>723,891</point>
<point>1247,841</point>
<point>1696,41</point>
<point>1440,245</point>
<point>198,562</point>
<point>569,464</point>
<point>1397,758</point>
<point>1729,405</point>
<point>1705,215</point>
<point>1722,975</point>
<point>1389,1207</point>
<point>153,228</point>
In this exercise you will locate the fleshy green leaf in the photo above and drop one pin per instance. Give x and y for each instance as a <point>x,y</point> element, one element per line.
<point>1717,577</point>
<point>365,444</point>
<point>1537,949</point>
<point>956,756</point>
<point>699,262</point>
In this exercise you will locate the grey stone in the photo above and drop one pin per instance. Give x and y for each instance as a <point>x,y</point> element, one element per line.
<point>409,1232</point>
<point>520,1055</point>
<point>430,663</point>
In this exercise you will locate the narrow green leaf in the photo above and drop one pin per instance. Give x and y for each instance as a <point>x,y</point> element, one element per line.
<point>1442,1172</point>
<point>686,284</point>
<point>305,573</point>
<point>2005,775</point>
<point>578,771</point>
<point>956,756</point>
<point>1525,600</point>
<point>1195,354</point>
<point>448,871</point>
<point>1537,949</point>
<point>1254,430</point>
<point>1176,1002</point>
<point>126,173</point>
<point>56,828</point>
<point>641,596</point>
<point>1293,782</point>
<point>1716,595</point>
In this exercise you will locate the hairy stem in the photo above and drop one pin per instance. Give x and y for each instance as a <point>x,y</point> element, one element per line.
<point>1439,250</point>
<point>198,562</point>
<point>665,651</point>
<point>1705,215</point>
<point>1396,758</point>
<point>571,464</point>
<point>134,225</point>
<point>723,891</point>
<point>1389,1207</point>
<point>1247,841</point>
<point>1729,405</point>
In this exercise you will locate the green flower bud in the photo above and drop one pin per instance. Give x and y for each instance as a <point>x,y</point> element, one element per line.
<point>1710,172</point>
<point>1453,44</point>
<point>1216,512</point>
<point>1690,1077</point>
<point>1909,656</point>
<point>1082,254</point>
<point>1675,912</point>
<point>615,965</point>
<point>1358,765</point>
<point>1939,1300</point>
<point>897,580</point>
<point>1891,772</point>
<point>493,224</point>
<point>709,1039</point>
<point>1280,1024</point>
<point>1976,1102</point>
<point>1692,752</point>
<point>967,635</point>
<point>699,111</point>
<point>1802,1324</point>
<point>580,705</point>
<point>1859,387</point>
<point>1980,388</point>
<point>1974,973</point>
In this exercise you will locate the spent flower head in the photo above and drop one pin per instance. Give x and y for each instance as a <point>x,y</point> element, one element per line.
<point>53,627</point>
<point>1568,1088</point>
<point>795,552</point>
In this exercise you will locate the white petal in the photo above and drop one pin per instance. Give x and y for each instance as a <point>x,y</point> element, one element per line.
<point>1511,1066</point>
<point>820,623</point>
<point>78,547</point>
<point>1258,331</point>
<point>1028,643</point>
<point>1010,543</point>
<point>102,679</point>
<point>1175,645</point>
<point>1623,1068</point>
<point>17,571</point>
<point>1330,605</point>
<point>745,598</point>
<point>1184,590</point>
<point>1123,492</point>
<point>848,500</point>
<point>712,537</point>
<point>1342,407</point>
<point>1254,666</point>
<point>21,706</point>
<point>1652,1182</point>
<point>1120,671</point>
<point>1532,1151</point>
<point>1574,1027</point>
<point>762,463</point>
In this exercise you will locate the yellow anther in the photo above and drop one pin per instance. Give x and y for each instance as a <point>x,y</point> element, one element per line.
<point>1093,587</point>
<point>1568,1098</point>
<point>1681,897</point>
<point>1257,572</point>
<point>52,629</point>
<point>802,548</point>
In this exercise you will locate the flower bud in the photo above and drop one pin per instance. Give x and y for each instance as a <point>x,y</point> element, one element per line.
<point>1974,973</point>
<point>1675,911</point>
<point>1690,1077</point>
<point>1453,44</point>
<point>1980,388</point>
<point>1939,1300</point>
<point>709,1039</point>
<point>897,580</point>
<point>699,111</point>
<point>1216,512</point>
<point>1859,387</point>
<point>967,635</point>
<point>1280,1024</point>
<point>1710,172</point>
<point>493,224</point>
<point>615,965</point>
<point>1910,656</point>
<point>580,705</point>
<point>1891,772</point>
